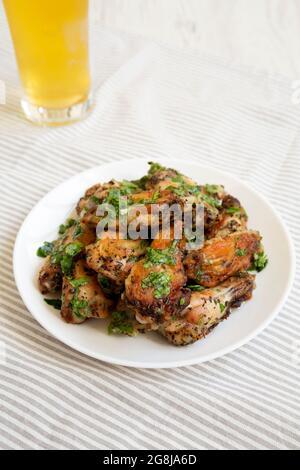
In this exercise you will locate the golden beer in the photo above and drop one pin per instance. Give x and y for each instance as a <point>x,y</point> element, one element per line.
<point>51,45</point>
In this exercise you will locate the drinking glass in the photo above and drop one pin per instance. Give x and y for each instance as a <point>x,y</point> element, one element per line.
<point>51,41</point>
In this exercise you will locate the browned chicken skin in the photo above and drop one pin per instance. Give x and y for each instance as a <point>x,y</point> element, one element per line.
<point>113,259</point>
<point>221,258</point>
<point>155,289</point>
<point>82,296</point>
<point>207,309</point>
<point>50,277</point>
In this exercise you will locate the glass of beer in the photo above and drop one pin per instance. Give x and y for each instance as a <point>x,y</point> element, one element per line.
<point>51,41</point>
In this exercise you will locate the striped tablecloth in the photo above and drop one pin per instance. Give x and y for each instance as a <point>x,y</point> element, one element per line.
<point>156,102</point>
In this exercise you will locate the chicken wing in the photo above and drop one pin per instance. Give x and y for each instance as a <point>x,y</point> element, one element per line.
<point>207,309</point>
<point>221,258</point>
<point>232,218</point>
<point>155,284</point>
<point>50,275</point>
<point>82,297</point>
<point>113,259</point>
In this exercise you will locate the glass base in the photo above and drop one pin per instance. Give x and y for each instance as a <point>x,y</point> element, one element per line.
<point>56,117</point>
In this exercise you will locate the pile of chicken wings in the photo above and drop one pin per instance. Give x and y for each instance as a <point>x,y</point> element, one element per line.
<point>156,284</point>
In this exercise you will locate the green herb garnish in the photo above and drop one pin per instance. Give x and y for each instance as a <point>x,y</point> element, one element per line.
<point>233,210</point>
<point>80,307</point>
<point>56,303</point>
<point>78,230</point>
<point>222,307</point>
<point>64,227</point>
<point>210,200</point>
<point>182,301</point>
<point>95,199</point>
<point>45,250</point>
<point>212,188</point>
<point>196,287</point>
<point>72,249</point>
<point>155,167</point>
<point>260,261</point>
<point>82,281</point>
<point>155,257</point>
<point>241,252</point>
<point>121,324</point>
<point>160,282</point>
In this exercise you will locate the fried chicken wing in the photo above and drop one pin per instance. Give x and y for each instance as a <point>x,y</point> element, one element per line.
<point>82,297</point>
<point>221,258</point>
<point>207,309</point>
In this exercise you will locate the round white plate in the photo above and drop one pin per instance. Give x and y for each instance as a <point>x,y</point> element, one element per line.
<point>91,338</point>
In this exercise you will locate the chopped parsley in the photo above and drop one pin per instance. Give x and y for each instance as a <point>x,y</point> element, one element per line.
<point>72,249</point>
<point>56,303</point>
<point>45,250</point>
<point>80,307</point>
<point>160,282</point>
<point>128,187</point>
<point>95,199</point>
<point>222,307</point>
<point>212,188</point>
<point>78,230</point>
<point>64,256</point>
<point>121,324</point>
<point>155,167</point>
<point>241,252</point>
<point>155,257</point>
<point>151,200</point>
<point>260,261</point>
<point>115,196</point>
<point>64,227</point>
<point>210,200</point>
<point>196,287</point>
<point>233,210</point>
<point>82,281</point>
<point>183,189</point>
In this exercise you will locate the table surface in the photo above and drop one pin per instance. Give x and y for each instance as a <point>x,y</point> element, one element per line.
<point>261,34</point>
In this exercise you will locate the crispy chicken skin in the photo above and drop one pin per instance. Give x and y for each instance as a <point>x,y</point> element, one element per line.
<point>113,259</point>
<point>221,258</point>
<point>207,309</point>
<point>84,299</point>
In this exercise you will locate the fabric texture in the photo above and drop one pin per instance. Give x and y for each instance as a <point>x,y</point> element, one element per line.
<point>154,102</point>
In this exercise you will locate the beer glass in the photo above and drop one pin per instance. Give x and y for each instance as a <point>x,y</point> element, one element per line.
<point>51,41</point>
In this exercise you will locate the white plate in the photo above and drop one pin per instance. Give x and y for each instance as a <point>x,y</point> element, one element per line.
<point>91,338</point>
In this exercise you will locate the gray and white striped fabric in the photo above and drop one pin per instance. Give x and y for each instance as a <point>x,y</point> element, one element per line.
<point>155,102</point>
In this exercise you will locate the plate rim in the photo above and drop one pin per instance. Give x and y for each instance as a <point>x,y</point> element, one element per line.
<point>166,364</point>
